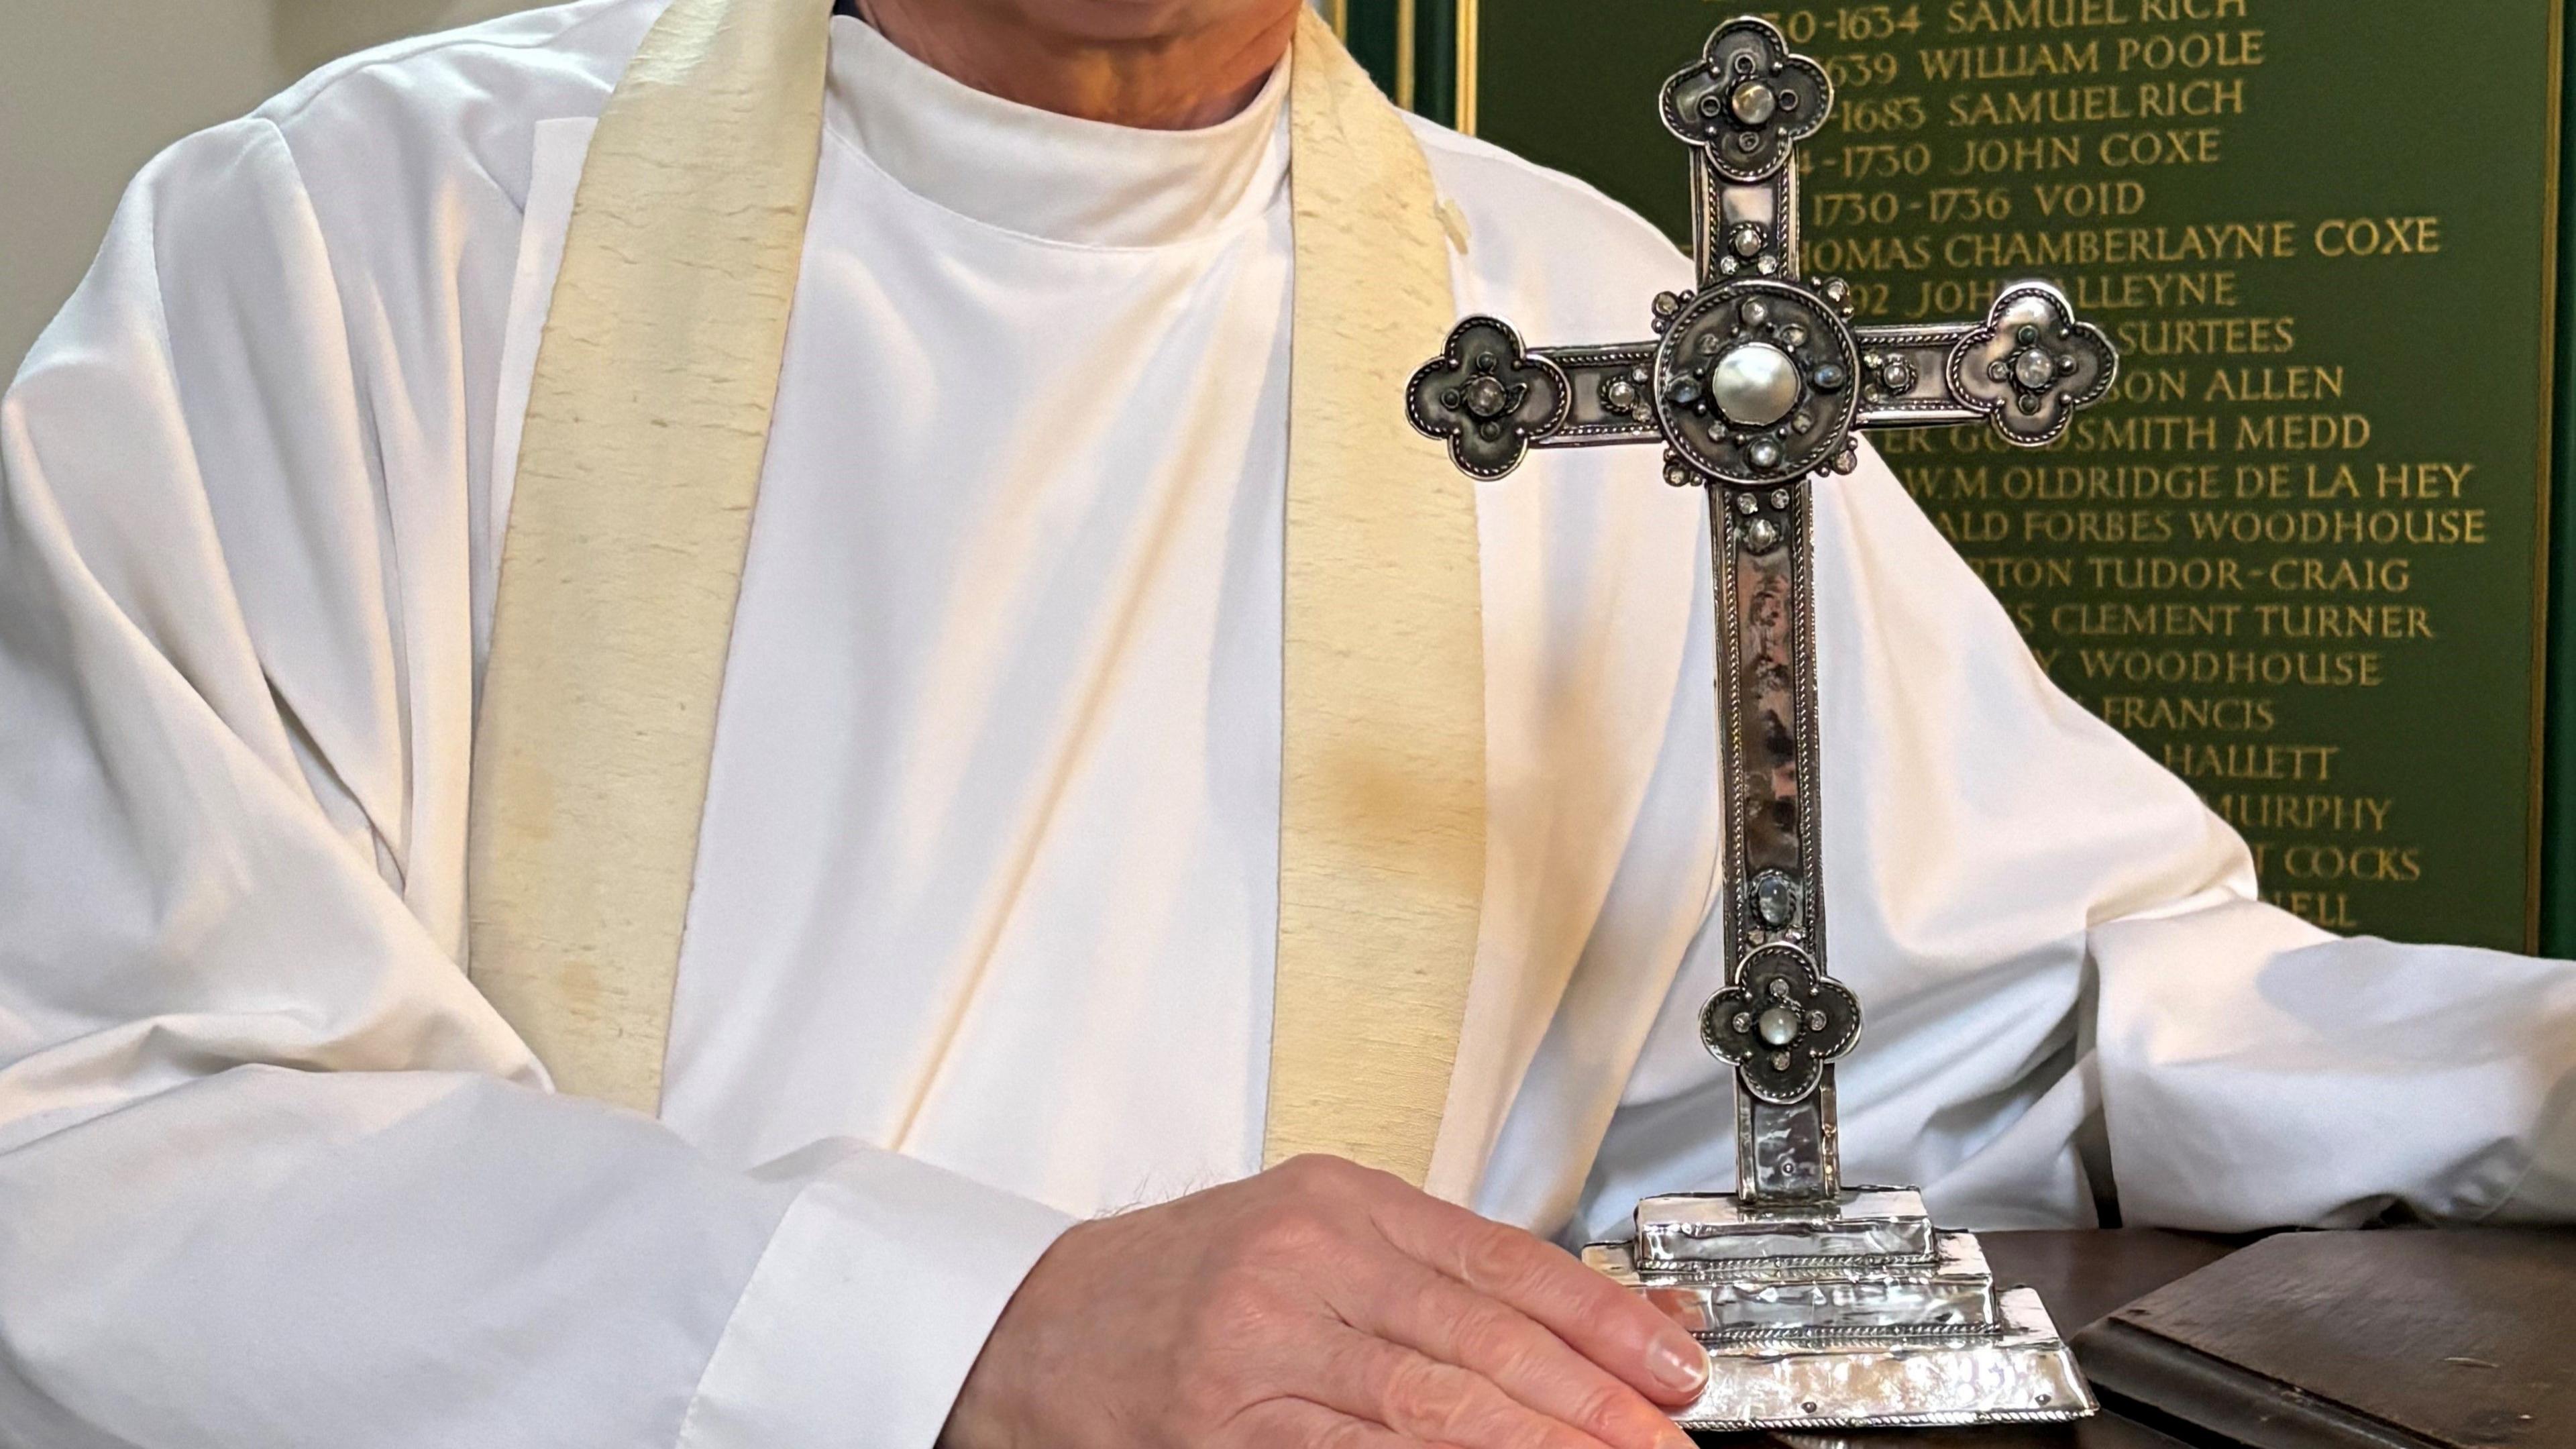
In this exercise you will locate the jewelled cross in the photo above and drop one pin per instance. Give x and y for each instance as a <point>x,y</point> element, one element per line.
<point>1756,386</point>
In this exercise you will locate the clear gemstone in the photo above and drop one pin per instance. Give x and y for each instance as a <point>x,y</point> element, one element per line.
<point>2035,369</point>
<point>1754,103</point>
<point>1775,898</point>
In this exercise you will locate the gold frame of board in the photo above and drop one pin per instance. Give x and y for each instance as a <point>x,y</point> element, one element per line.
<point>1408,32</point>
<point>1468,86</point>
<point>2546,523</point>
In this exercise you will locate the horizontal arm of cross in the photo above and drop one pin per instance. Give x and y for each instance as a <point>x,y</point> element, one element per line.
<point>1611,393</point>
<point>2026,367</point>
<point>1906,376</point>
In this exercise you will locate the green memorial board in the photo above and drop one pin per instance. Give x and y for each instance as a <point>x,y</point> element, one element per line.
<point>2302,558</point>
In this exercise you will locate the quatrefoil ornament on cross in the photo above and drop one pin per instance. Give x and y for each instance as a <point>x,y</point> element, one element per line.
<point>1487,397</point>
<point>1781,1023</point>
<point>2032,365</point>
<point>1748,101</point>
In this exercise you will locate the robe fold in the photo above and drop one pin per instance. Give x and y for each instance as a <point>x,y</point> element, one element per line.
<point>987,886</point>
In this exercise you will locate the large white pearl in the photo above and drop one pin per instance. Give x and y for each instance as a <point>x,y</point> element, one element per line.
<point>1755,385</point>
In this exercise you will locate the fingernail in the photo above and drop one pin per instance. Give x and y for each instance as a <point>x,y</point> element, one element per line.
<point>1678,1363</point>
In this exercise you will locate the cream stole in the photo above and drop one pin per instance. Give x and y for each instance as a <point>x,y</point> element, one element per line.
<point>647,424</point>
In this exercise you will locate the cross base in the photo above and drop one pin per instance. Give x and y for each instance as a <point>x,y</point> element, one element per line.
<point>1852,1314</point>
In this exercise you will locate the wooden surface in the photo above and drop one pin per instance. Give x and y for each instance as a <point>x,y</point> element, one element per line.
<point>2081,1276</point>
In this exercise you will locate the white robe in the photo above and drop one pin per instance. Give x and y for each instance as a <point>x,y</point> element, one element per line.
<point>983,926</point>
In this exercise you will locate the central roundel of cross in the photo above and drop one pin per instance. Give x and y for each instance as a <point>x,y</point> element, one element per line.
<point>1780,1023</point>
<point>1755,381</point>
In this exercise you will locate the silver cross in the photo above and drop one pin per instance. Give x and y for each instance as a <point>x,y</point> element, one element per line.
<point>1756,386</point>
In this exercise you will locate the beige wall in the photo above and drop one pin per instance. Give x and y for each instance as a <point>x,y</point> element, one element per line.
<point>90,89</point>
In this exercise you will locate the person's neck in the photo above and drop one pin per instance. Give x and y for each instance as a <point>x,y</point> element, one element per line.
<point>1190,76</point>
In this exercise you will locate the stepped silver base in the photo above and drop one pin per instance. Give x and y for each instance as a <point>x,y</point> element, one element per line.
<point>1857,1314</point>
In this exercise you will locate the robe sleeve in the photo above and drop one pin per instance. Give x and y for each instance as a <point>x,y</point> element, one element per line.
<point>2246,1070</point>
<point>271,1172</point>
<point>2064,966</point>
<point>2256,1071</point>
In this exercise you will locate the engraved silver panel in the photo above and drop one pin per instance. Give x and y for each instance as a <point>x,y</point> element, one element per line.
<point>2021,1373</point>
<point>1705,1228</point>
<point>1957,1292</point>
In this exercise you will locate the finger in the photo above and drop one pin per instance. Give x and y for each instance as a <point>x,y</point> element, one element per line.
<point>1312,1426</point>
<point>1421,1398</point>
<point>1443,1319</point>
<point>1604,1322</point>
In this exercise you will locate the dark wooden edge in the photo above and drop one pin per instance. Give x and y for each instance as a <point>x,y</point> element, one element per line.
<point>2150,1378</point>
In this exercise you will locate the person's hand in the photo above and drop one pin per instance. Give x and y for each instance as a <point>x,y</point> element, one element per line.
<point>1321,1304</point>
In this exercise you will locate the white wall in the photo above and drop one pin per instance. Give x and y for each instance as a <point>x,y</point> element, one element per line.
<point>90,89</point>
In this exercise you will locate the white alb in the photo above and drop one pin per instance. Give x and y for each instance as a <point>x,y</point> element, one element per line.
<point>983,929</point>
